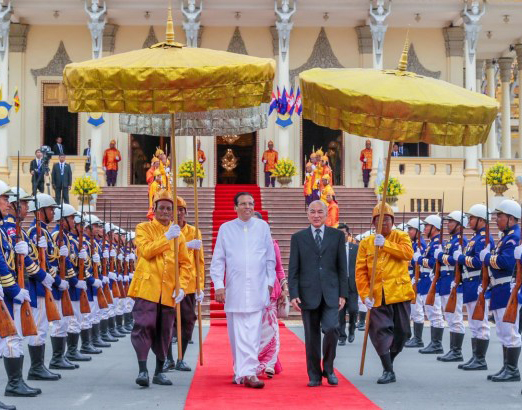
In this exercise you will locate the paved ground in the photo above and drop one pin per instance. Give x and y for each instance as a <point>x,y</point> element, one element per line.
<point>107,382</point>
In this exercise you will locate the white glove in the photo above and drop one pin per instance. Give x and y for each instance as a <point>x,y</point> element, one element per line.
<point>120,278</point>
<point>126,279</point>
<point>453,284</point>
<point>23,295</point>
<point>42,242</point>
<point>82,254</point>
<point>413,281</point>
<point>112,253</point>
<point>97,283</point>
<point>457,253</point>
<point>368,302</point>
<point>167,170</point>
<point>104,169</point>
<point>512,285</point>
<point>518,252</point>
<point>22,248</point>
<point>96,258</point>
<point>105,280</point>
<point>131,275</point>
<point>120,257</point>
<point>379,240</point>
<point>194,244</point>
<point>173,232</point>
<point>365,160</point>
<point>132,257</point>
<point>112,276</point>
<point>64,285</point>
<point>127,258</point>
<point>1,293</point>
<point>484,252</point>
<point>64,251</point>
<point>200,295</point>
<point>264,161</point>
<point>105,254</point>
<point>81,285</point>
<point>437,252</point>
<point>432,275</point>
<point>180,296</point>
<point>480,289</point>
<point>48,281</point>
<point>416,255</point>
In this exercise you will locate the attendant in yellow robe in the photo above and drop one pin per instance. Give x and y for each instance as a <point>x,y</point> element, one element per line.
<point>332,218</point>
<point>270,158</point>
<point>327,189</point>
<point>153,287</point>
<point>154,165</point>
<point>392,292</point>
<point>308,184</point>
<point>153,188</point>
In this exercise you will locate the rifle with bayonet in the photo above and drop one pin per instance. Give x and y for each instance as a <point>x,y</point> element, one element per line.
<point>419,248</point>
<point>106,289</point>
<point>480,307</point>
<point>115,288</point>
<point>510,315</point>
<point>430,297</point>
<point>119,264</point>
<point>102,302</point>
<point>126,261</point>
<point>452,299</point>
<point>84,301</point>
<point>67,309</point>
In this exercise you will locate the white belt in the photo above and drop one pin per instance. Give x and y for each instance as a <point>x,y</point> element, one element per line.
<point>468,275</point>
<point>500,281</point>
<point>425,270</point>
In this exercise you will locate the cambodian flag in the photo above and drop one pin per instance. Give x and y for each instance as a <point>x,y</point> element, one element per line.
<point>291,101</point>
<point>283,103</point>
<point>298,102</point>
<point>273,103</point>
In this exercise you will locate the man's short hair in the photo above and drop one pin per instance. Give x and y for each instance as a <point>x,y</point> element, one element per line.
<point>236,197</point>
<point>344,227</point>
<point>61,155</point>
<point>258,215</point>
<point>37,150</point>
<point>318,201</point>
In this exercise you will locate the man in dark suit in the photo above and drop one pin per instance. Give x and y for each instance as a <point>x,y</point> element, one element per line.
<point>62,180</point>
<point>87,153</point>
<point>36,168</point>
<point>318,285</point>
<point>351,306</point>
<point>58,148</point>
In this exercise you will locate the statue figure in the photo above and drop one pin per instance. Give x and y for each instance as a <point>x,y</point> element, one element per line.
<point>283,24</point>
<point>472,27</point>
<point>229,161</point>
<point>377,26</point>
<point>5,22</point>
<point>476,13</point>
<point>284,13</point>
<point>191,23</point>
<point>97,20</point>
<point>379,14</point>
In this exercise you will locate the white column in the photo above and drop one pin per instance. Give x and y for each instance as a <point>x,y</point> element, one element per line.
<point>492,147</point>
<point>518,49</point>
<point>479,75</point>
<point>5,23</point>
<point>505,64</point>
<point>283,75</point>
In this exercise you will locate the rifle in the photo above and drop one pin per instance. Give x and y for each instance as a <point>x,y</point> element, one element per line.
<point>126,262</point>
<point>480,307</point>
<point>106,289</point>
<point>417,266</point>
<point>67,309</point>
<point>510,315</point>
<point>452,299</point>
<point>119,265</point>
<point>115,289</point>
<point>50,308</point>
<point>102,302</point>
<point>430,297</point>
<point>84,302</point>
<point>26,315</point>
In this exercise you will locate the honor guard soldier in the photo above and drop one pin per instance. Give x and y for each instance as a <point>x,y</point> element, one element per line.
<point>426,260</point>
<point>446,282</point>
<point>471,277</point>
<point>501,264</point>
<point>120,236</point>
<point>129,303</point>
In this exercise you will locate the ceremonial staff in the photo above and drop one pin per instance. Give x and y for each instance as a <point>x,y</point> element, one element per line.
<point>106,290</point>
<point>115,288</point>
<point>102,302</point>
<point>67,309</point>
<point>480,307</point>
<point>510,315</point>
<point>26,315</point>
<point>419,246</point>
<point>430,297</point>
<point>452,299</point>
<point>84,302</point>
<point>119,264</point>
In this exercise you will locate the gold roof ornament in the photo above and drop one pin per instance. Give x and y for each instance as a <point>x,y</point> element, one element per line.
<point>403,62</point>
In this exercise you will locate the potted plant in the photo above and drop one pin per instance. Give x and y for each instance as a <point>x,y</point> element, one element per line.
<point>85,187</point>
<point>186,171</point>
<point>284,170</point>
<point>395,188</point>
<point>498,177</point>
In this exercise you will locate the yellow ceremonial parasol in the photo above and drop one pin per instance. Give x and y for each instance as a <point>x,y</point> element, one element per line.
<point>168,78</point>
<point>395,105</point>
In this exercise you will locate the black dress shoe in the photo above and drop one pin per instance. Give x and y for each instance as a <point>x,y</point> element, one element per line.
<point>314,383</point>
<point>351,338</point>
<point>169,365</point>
<point>182,366</point>
<point>7,406</point>
<point>161,379</point>
<point>342,342</point>
<point>387,377</point>
<point>143,379</point>
<point>331,378</point>
<point>190,342</point>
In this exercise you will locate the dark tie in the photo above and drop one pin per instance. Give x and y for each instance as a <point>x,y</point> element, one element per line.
<point>61,169</point>
<point>318,238</point>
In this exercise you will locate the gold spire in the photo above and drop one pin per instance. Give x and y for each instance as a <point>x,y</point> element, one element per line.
<point>170,27</point>
<point>403,62</point>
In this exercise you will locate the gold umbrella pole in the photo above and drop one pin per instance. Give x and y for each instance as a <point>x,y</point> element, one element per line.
<point>376,255</point>
<point>196,251</point>
<point>175,200</point>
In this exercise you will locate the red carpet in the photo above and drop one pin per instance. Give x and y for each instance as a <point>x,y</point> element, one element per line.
<point>212,386</point>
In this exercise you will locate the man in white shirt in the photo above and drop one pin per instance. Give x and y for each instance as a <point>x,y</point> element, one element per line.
<point>245,250</point>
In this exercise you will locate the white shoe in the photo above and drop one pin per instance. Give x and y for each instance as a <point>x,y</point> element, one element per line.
<point>269,372</point>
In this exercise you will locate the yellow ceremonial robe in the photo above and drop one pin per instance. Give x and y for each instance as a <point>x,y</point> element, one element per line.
<point>325,191</point>
<point>189,232</point>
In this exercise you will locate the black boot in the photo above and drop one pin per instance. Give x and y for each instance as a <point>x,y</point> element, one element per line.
<point>72,349</point>
<point>361,324</point>
<point>15,383</point>
<point>504,363</point>
<point>112,328</point>
<point>159,377</point>
<point>416,340</point>
<point>455,352</point>
<point>95,337</point>
<point>351,328</point>
<point>58,361</point>
<point>479,360</point>
<point>104,332</point>
<point>473,350</point>
<point>119,325</point>
<point>388,376</point>
<point>170,363</point>
<point>511,372</point>
<point>127,322</point>
<point>87,347</point>
<point>6,406</point>
<point>435,345</point>
<point>143,375</point>
<point>38,371</point>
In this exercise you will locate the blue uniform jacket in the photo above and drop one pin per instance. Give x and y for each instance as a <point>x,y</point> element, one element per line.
<point>73,291</point>
<point>427,262</point>
<point>7,270</point>
<point>411,265</point>
<point>70,273</point>
<point>447,270</point>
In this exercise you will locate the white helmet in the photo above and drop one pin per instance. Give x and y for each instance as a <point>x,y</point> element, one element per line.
<point>415,223</point>
<point>131,235</point>
<point>434,220</point>
<point>4,189</point>
<point>78,217</point>
<point>509,207</point>
<point>358,238</point>
<point>43,201</point>
<point>24,196</point>
<point>110,227</point>
<point>402,227</point>
<point>457,216</point>
<point>68,210</point>
<point>479,211</point>
<point>91,220</point>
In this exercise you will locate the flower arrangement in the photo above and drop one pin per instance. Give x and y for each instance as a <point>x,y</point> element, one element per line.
<point>284,168</point>
<point>395,188</point>
<point>186,170</point>
<point>499,174</point>
<point>85,186</point>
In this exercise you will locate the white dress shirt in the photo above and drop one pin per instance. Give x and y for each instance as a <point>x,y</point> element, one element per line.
<point>313,228</point>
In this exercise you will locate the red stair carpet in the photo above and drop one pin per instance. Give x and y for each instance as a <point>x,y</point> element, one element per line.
<point>224,212</point>
<point>212,386</point>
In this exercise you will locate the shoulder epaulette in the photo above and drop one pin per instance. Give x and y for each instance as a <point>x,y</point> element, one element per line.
<point>511,232</point>
<point>483,233</point>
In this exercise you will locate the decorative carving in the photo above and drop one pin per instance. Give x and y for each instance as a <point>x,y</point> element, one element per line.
<point>471,25</point>
<point>5,24</point>
<point>18,37</point>
<point>96,24</point>
<point>364,39</point>
<point>191,23</point>
<point>322,56</point>
<point>55,67</point>
<point>229,160</point>
<point>109,37</point>
<point>378,28</point>
<point>275,40</point>
<point>415,66</point>
<point>284,25</point>
<point>151,38</point>
<point>454,41</point>
<point>237,45</point>
<point>505,64</point>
